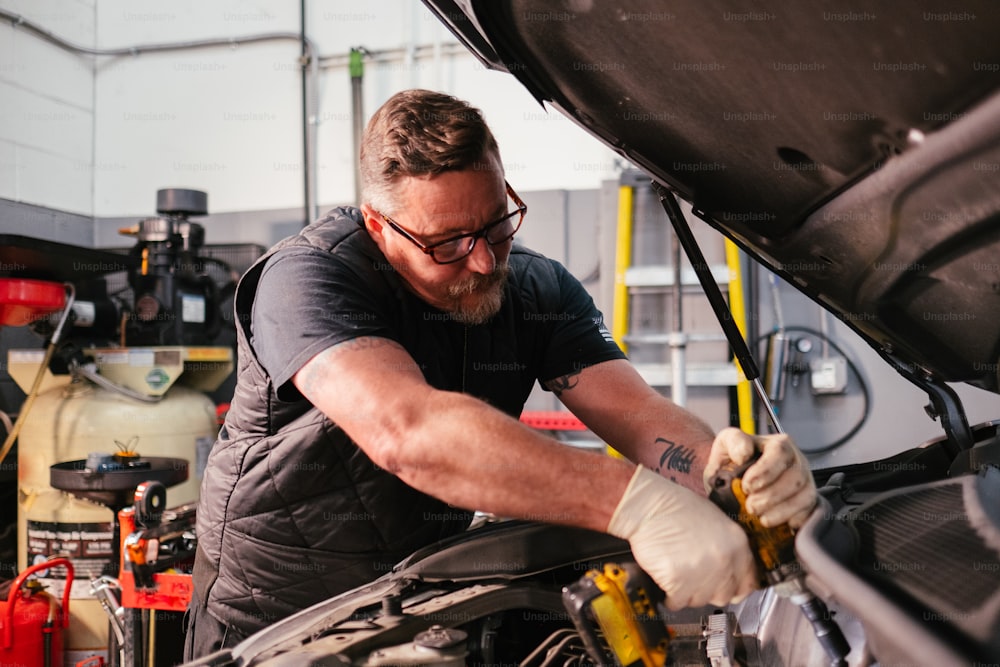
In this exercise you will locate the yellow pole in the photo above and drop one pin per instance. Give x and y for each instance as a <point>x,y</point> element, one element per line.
<point>744,396</point>
<point>623,258</point>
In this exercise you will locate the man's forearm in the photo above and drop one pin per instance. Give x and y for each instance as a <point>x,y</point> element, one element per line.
<point>625,412</point>
<point>504,467</point>
<point>672,441</point>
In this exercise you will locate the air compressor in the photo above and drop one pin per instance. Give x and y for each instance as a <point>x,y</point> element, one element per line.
<point>74,419</point>
<point>131,373</point>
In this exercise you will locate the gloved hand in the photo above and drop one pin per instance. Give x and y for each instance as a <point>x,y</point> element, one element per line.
<point>690,548</point>
<point>779,486</point>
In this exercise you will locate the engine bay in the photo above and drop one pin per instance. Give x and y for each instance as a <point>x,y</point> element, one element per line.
<point>908,571</point>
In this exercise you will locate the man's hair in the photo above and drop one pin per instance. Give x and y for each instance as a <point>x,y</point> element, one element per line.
<point>421,132</point>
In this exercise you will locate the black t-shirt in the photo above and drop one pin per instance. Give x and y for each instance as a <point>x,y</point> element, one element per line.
<point>309,298</point>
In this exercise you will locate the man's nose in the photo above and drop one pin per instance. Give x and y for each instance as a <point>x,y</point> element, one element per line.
<point>481,259</point>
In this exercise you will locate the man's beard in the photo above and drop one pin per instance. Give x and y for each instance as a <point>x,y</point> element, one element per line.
<point>490,291</point>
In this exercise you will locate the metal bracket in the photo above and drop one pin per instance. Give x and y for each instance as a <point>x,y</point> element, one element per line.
<point>945,404</point>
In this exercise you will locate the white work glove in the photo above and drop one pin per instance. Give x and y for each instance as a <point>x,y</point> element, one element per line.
<point>779,486</point>
<point>690,548</point>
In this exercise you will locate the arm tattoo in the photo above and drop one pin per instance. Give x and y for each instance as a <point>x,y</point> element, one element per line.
<point>675,457</point>
<point>564,383</point>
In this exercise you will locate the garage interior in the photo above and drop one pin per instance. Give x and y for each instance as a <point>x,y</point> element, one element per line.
<point>151,149</point>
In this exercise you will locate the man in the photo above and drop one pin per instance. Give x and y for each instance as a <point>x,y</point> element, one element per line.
<point>384,357</point>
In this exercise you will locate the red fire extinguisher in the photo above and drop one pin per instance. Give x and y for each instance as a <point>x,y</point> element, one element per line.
<point>33,620</point>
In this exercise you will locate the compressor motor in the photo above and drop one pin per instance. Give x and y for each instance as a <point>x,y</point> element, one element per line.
<point>173,298</point>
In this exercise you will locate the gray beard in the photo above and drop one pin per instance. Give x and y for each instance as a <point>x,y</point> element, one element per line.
<point>489,302</point>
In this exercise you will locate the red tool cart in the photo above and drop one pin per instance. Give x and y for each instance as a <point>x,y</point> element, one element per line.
<point>157,554</point>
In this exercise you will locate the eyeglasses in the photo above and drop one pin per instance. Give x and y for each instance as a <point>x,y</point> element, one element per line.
<point>459,247</point>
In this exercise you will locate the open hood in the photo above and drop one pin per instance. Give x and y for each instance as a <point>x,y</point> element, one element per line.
<point>853,148</point>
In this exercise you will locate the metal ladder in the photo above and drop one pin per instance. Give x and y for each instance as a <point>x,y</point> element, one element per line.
<point>652,276</point>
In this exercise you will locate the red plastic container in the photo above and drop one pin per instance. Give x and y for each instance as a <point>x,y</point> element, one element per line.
<point>23,301</point>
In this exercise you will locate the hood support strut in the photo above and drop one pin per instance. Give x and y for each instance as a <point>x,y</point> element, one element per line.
<point>711,288</point>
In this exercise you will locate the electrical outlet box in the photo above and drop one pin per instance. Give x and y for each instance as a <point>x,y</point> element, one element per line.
<point>828,375</point>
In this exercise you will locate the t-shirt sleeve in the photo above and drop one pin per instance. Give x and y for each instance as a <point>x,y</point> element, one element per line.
<point>305,302</point>
<point>577,335</point>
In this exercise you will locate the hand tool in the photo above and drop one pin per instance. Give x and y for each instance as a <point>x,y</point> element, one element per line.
<point>774,551</point>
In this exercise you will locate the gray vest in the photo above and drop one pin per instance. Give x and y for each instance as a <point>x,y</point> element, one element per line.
<point>292,512</point>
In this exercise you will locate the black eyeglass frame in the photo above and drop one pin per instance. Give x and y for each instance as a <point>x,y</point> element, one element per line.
<point>483,233</point>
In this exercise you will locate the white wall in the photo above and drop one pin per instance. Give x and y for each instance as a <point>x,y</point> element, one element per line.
<point>101,135</point>
<point>218,119</point>
<point>47,107</point>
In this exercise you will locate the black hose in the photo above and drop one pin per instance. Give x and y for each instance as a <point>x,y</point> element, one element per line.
<point>47,644</point>
<point>827,631</point>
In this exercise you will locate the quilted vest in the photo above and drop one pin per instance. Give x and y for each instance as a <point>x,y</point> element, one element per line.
<point>292,512</point>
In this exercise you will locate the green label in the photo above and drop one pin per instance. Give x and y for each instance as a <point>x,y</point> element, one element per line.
<point>156,378</point>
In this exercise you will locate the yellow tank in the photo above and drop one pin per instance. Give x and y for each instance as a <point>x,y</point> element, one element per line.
<point>68,421</point>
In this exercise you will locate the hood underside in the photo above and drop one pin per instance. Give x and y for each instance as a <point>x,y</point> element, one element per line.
<point>852,148</point>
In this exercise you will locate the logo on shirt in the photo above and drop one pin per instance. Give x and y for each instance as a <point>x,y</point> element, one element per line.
<point>599,323</point>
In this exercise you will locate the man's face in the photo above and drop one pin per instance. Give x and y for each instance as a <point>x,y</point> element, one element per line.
<point>433,210</point>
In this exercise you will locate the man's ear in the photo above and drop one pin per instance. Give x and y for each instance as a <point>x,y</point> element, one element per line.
<point>373,221</point>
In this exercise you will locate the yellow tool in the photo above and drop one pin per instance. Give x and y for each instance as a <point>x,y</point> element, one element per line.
<point>624,602</point>
<point>774,547</point>
<point>774,550</point>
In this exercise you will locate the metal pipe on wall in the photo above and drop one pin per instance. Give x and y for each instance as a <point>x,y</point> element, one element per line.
<point>397,55</point>
<point>357,72</point>
<point>678,339</point>
<point>309,61</point>
<point>308,121</point>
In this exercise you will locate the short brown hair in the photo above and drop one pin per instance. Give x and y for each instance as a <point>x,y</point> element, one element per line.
<point>421,132</point>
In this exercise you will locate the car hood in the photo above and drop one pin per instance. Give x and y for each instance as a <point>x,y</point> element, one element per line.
<point>853,148</point>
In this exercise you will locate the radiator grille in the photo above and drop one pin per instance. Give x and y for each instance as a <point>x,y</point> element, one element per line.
<point>923,543</point>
